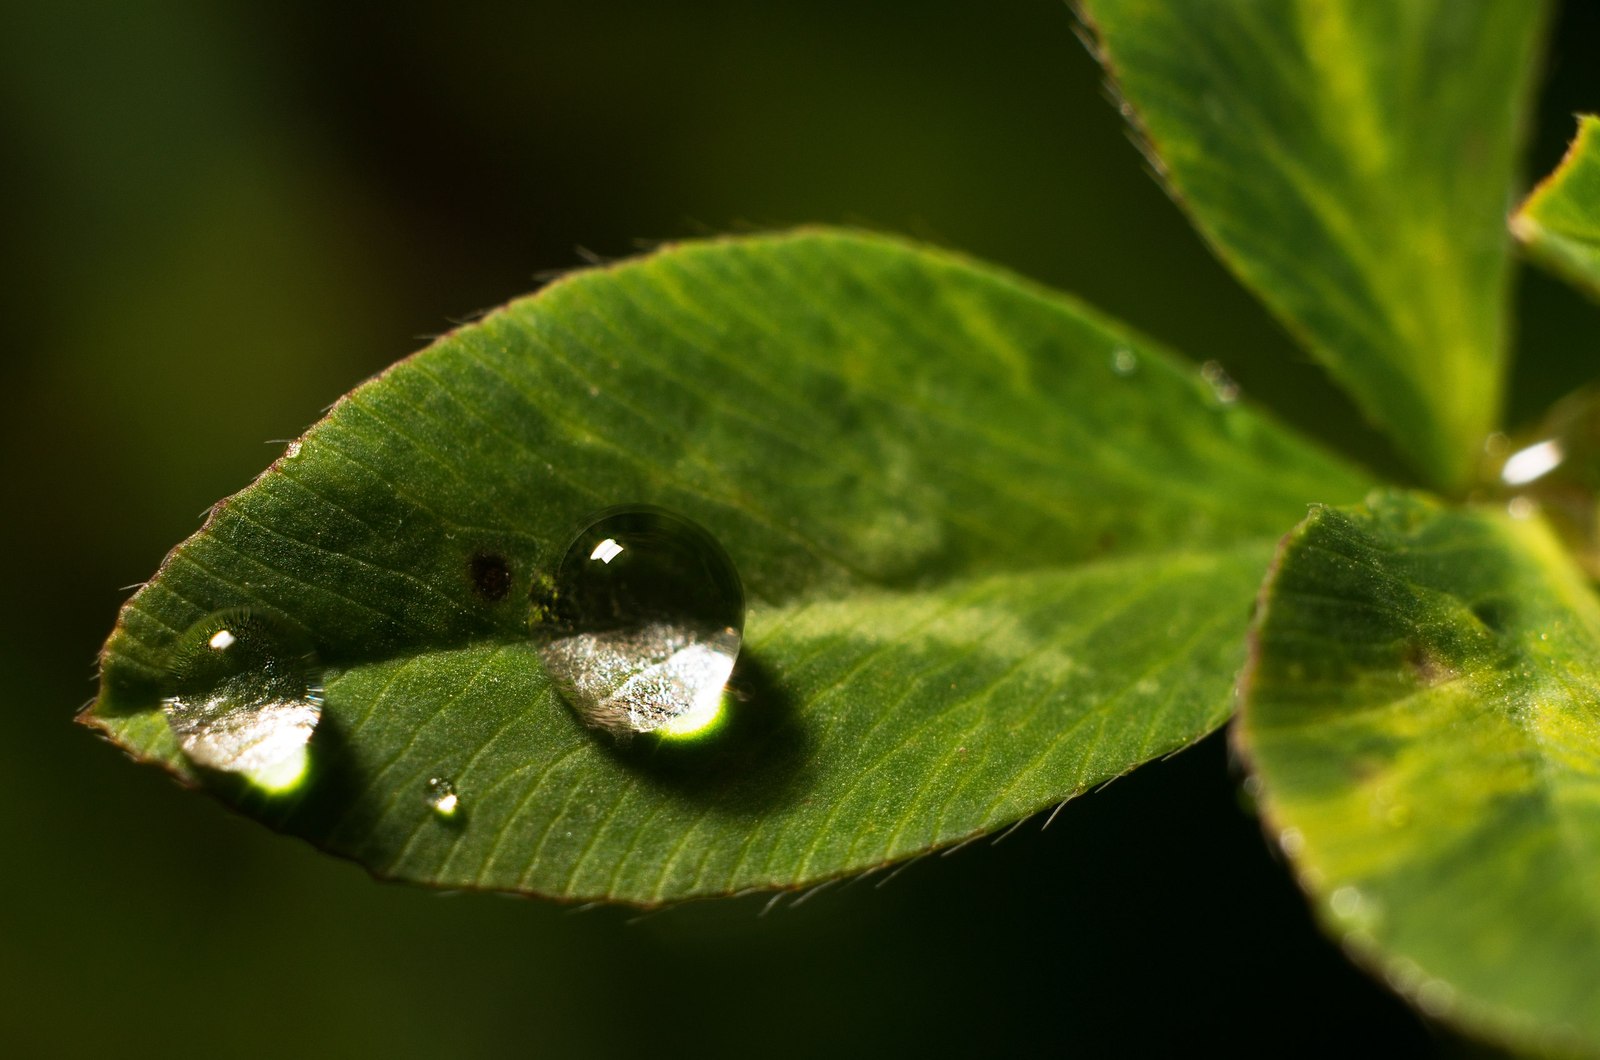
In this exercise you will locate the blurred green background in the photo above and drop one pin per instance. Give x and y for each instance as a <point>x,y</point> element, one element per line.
<point>219,217</point>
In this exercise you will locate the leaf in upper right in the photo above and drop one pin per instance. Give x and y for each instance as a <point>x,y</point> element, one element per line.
<point>1560,222</point>
<point>1352,163</point>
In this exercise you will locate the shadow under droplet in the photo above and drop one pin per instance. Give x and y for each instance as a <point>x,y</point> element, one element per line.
<point>754,760</point>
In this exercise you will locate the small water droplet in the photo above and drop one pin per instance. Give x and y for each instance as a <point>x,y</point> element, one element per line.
<point>1553,470</point>
<point>245,696</point>
<point>1435,997</point>
<point>1124,362</point>
<point>1292,840</point>
<point>1345,902</point>
<point>440,794</point>
<point>1532,462</point>
<point>1223,388</point>
<point>1404,974</point>
<point>649,618</point>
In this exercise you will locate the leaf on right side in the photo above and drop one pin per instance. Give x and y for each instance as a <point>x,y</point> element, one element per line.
<point>1422,714</point>
<point>1353,164</point>
<point>1559,224</point>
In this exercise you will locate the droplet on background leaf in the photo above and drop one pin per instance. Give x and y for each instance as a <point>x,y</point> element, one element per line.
<point>649,618</point>
<point>245,696</point>
<point>1556,468</point>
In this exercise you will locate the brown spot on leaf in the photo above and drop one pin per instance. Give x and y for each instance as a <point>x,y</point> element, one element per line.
<point>491,576</point>
<point>1427,665</point>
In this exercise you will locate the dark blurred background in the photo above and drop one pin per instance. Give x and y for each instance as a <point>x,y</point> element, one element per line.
<point>220,217</point>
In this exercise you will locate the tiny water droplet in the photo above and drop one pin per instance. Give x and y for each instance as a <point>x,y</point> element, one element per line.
<point>1223,388</point>
<point>1346,902</point>
<point>1124,362</point>
<point>1292,840</point>
<point>245,696</point>
<point>1435,997</point>
<point>649,618</point>
<point>440,794</point>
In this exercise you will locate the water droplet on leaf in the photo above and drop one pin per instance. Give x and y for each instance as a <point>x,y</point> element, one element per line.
<point>648,620</point>
<point>1554,470</point>
<point>245,696</point>
<point>1223,388</point>
<point>440,793</point>
<point>1532,462</point>
<point>1124,362</point>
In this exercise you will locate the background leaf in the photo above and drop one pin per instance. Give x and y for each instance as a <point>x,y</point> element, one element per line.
<point>998,551</point>
<point>1422,713</point>
<point>1352,163</point>
<point>1560,222</point>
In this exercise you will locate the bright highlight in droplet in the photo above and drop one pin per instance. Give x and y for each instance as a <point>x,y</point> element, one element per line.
<point>283,775</point>
<point>606,551</point>
<point>1534,462</point>
<point>221,640</point>
<point>705,710</point>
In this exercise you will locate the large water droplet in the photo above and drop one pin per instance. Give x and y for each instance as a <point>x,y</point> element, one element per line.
<point>245,696</point>
<point>649,616</point>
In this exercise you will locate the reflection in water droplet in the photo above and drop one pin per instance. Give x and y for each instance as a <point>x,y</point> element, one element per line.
<point>441,796</point>
<point>649,618</point>
<point>245,696</point>
<point>1223,388</point>
<point>1532,462</point>
<point>1124,362</point>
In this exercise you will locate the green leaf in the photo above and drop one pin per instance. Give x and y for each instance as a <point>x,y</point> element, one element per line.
<point>998,550</point>
<point>1352,163</point>
<point>1560,222</point>
<point>1423,715</point>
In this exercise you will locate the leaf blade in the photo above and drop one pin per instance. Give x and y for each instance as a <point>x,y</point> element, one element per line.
<point>875,432</point>
<point>1559,224</point>
<point>1351,164</point>
<point>1421,714</point>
